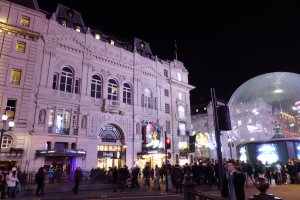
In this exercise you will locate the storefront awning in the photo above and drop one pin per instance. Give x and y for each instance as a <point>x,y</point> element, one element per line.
<point>61,152</point>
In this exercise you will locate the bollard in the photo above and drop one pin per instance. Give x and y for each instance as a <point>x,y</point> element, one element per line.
<point>262,184</point>
<point>188,187</point>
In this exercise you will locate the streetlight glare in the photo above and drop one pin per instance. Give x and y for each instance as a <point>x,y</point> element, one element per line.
<point>4,117</point>
<point>11,124</point>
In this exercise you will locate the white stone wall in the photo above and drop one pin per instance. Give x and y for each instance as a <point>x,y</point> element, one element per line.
<point>59,46</point>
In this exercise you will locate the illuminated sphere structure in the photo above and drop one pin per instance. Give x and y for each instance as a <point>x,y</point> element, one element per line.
<point>266,106</point>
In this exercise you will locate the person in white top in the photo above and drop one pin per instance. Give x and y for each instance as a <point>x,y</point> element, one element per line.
<point>278,169</point>
<point>11,181</point>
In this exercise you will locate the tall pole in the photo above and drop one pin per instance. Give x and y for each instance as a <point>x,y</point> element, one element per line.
<point>2,133</point>
<point>166,159</point>
<point>218,140</point>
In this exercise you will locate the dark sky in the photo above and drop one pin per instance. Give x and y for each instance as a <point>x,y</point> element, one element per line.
<point>222,45</point>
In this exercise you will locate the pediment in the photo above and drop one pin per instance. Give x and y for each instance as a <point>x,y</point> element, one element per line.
<point>69,42</point>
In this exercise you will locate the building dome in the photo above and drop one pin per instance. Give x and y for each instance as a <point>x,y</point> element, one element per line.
<point>266,105</point>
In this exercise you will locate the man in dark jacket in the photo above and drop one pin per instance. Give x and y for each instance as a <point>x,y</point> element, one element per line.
<point>77,177</point>
<point>234,182</point>
<point>40,180</point>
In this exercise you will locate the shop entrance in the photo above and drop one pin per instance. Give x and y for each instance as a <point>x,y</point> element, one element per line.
<point>105,163</point>
<point>153,159</point>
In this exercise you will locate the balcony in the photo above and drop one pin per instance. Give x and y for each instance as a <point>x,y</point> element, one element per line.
<point>112,106</point>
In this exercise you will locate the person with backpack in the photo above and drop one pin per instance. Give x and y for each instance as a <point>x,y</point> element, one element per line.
<point>40,181</point>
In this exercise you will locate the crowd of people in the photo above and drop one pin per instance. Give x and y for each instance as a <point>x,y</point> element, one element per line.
<point>204,172</point>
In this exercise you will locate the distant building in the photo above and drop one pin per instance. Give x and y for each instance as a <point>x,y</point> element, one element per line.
<point>79,97</point>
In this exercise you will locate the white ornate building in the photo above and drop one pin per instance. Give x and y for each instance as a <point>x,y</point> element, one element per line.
<point>81,98</point>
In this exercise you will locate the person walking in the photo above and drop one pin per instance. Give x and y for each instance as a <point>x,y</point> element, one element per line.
<point>234,181</point>
<point>77,177</point>
<point>40,181</point>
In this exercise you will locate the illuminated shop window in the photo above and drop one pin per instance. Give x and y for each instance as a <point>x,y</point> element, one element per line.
<point>7,141</point>
<point>15,77</point>
<point>25,21</point>
<point>21,46</point>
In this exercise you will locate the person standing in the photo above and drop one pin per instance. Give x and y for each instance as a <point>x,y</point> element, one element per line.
<point>51,175</point>
<point>12,180</point>
<point>234,181</point>
<point>40,181</point>
<point>77,177</point>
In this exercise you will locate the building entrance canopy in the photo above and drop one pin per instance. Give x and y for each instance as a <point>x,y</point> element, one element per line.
<point>61,152</point>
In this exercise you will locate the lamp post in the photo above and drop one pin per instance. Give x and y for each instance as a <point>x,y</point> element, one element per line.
<point>230,145</point>
<point>3,129</point>
<point>125,147</point>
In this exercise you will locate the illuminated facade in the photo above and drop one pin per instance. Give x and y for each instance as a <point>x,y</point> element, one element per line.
<point>83,98</point>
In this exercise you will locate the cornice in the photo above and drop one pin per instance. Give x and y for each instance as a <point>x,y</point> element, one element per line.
<point>181,84</point>
<point>20,31</point>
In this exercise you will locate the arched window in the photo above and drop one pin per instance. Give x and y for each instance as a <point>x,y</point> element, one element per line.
<point>7,141</point>
<point>112,89</point>
<point>147,98</point>
<point>66,80</point>
<point>126,93</point>
<point>181,112</point>
<point>96,87</point>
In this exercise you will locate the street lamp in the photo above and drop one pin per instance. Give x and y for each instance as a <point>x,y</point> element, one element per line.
<point>125,147</point>
<point>230,145</point>
<point>10,124</point>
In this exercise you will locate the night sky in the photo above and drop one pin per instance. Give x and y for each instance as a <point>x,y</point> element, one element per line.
<point>221,44</point>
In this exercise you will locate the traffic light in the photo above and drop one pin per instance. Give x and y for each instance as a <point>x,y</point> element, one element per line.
<point>168,143</point>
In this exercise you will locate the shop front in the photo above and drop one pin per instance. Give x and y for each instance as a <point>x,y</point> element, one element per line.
<point>110,156</point>
<point>152,146</point>
<point>61,159</point>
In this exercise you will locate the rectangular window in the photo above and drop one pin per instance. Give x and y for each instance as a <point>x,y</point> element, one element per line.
<point>182,129</point>
<point>168,127</point>
<point>64,22</point>
<point>77,28</point>
<point>179,96</point>
<point>50,120</point>
<point>166,93</point>
<point>25,21</point>
<point>62,121</point>
<point>178,76</point>
<point>55,81</point>
<point>21,46</point>
<point>166,73</point>
<point>77,86</point>
<point>15,77</point>
<point>75,123</point>
<point>10,108</point>
<point>167,108</point>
